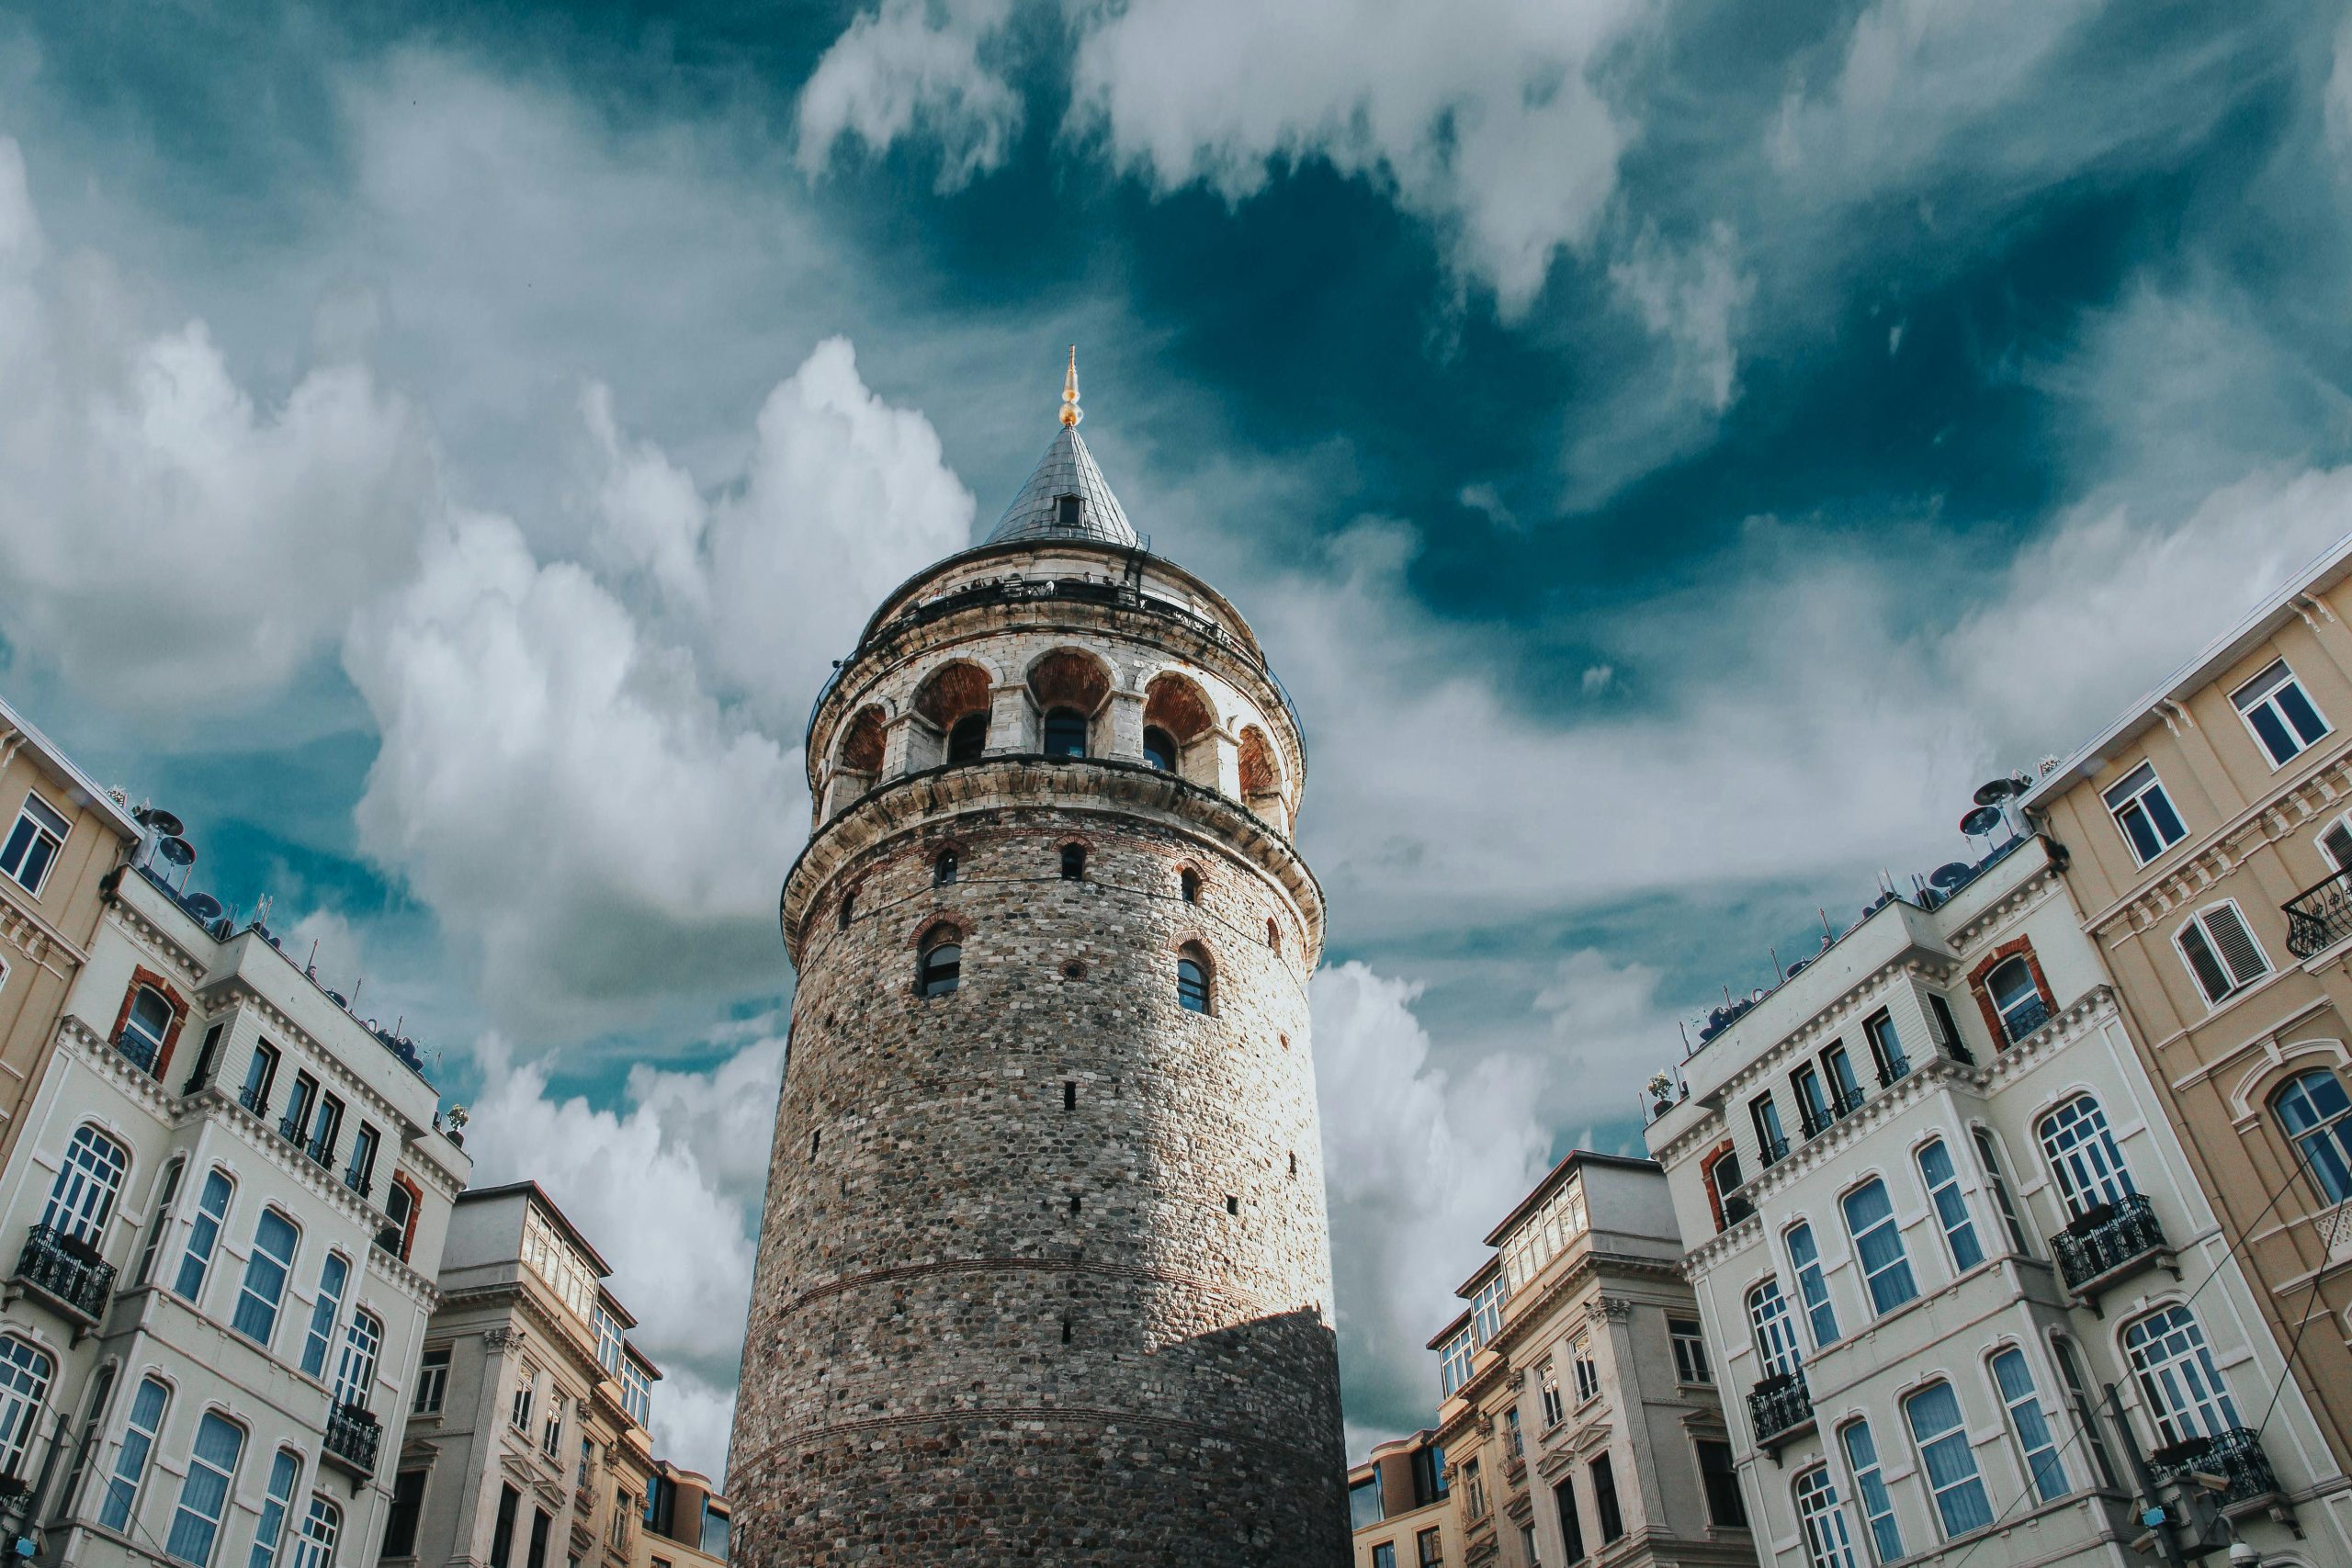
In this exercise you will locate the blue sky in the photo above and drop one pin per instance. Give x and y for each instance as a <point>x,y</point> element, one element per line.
<point>1672,451</point>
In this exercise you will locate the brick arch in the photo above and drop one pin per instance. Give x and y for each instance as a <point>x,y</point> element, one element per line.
<point>1261,771</point>
<point>1707,1163</point>
<point>1176,704</point>
<point>1070,678</point>
<point>143,976</point>
<point>2014,948</point>
<point>415,1208</point>
<point>862,738</point>
<point>957,689</point>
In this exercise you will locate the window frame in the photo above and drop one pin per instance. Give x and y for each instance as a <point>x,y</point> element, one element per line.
<point>256,1260</point>
<point>1946,1498</point>
<point>2080,1188</point>
<point>1195,993</point>
<point>326,1310</point>
<point>26,1375</point>
<point>2042,1462</point>
<point>134,1456</point>
<point>87,1186</point>
<point>1871,1499</point>
<point>1950,1204</point>
<point>2018,1005</point>
<point>2168,1409</point>
<point>204,1237</point>
<point>1720,1484</point>
<point>189,1506</point>
<point>1821,1518</point>
<point>2130,793</point>
<point>277,1503</point>
<point>356,1368</point>
<point>2216,951</point>
<point>1768,1322</point>
<point>1880,1303</point>
<point>1812,1284</point>
<point>1988,1160</point>
<point>432,1381</point>
<point>1055,728</point>
<point>2280,676</point>
<point>1687,1336</point>
<point>2331,1131</point>
<point>29,813</point>
<point>937,975</point>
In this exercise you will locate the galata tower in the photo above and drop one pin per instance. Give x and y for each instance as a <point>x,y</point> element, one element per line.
<point>1045,1273</point>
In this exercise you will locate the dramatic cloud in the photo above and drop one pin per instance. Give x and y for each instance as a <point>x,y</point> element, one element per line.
<point>170,544</point>
<point>1419,1163</point>
<point>914,64</point>
<point>668,1189</point>
<point>561,791</point>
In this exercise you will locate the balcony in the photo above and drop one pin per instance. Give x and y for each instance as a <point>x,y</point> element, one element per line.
<point>2235,1457</point>
<point>2109,1244</point>
<point>1737,1209</point>
<point>1772,1151</point>
<point>353,1436</point>
<point>320,1152</point>
<point>1779,1409</point>
<point>289,1128</point>
<point>357,1180</point>
<point>2320,917</point>
<point>1843,1104</point>
<point>2020,1021</point>
<point>67,1272</point>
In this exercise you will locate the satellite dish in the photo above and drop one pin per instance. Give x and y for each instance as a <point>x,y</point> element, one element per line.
<point>1980,822</point>
<point>205,908</point>
<point>1951,874</point>
<point>336,997</point>
<point>162,822</point>
<point>1995,791</point>
<point>176,850</point>
<point>1798,967</point>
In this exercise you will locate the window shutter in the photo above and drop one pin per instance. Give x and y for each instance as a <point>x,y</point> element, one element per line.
<point>2337,842</point>
<point>2238,949</point>
<point>2210,977</point>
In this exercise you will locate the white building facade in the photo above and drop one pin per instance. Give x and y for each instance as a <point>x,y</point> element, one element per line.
<point>1933,1213</point>
<point>225,1212</point>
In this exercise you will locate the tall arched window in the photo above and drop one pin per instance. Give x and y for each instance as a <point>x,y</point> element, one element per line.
<point>355,1373</point>
<point>1193,980</point>
<point>2084,1156</point>
<point>1274,934</point>
<point>969,738</point>
<point>2017,998</point>
<point>1188,886</point>
<point>130,1457</point>
<point>320,1526</point>
<point>145,1026</point>
<point>204,1490</point>
<point>1159,749</point>
<point>266,1267</point>
<point>1878,1245</point>
<point>1776,1336</point>
<point>1828,1543</point>
<point>88,1178</point>
<point>942,869</point>
<point>846,912</point>
<point>24,1384</point>
<point>1065,733</point>
<point>2187,1397</point>
<point>2317,1115</point>
<point>1805,1256</point>
<point>939,969</point>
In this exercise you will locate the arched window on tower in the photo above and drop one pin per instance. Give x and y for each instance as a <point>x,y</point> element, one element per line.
<point>1188,886</point>
<point>1274,934</point>
<point>1066,508</point>
<point>1073,862</point>
<point>969,738</point>
<point>942,869</point>
<point>1065,733</point>
<point>1193,979</point>
<point>847,912</point>
<point>940,968</point>
<point>1159,749</point>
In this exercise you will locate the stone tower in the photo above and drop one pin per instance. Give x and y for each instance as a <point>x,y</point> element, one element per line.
<point>1045,1274</point>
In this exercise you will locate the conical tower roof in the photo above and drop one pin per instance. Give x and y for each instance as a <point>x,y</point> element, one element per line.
<point>1044,509</point>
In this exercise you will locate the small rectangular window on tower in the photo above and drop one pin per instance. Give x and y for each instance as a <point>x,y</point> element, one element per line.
<point>1070,1096</point>
<point>1232,1204</point>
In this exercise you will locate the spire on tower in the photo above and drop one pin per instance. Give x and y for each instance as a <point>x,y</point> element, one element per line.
<point>1066,496</point>
<point>1071,412</point>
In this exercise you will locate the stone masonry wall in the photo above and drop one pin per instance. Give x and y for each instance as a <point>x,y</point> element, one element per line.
<point>1045,1273</point>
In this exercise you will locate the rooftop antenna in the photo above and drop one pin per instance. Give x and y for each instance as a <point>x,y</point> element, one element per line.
<point>355,990</point>
<point>1824,922</point>
<point>311,964</point>
<point>1071,412</point>
<point>1777,970</point>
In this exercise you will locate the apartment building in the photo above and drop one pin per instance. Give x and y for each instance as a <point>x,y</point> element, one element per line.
<point>61,835</point>
<point>225,1208</point>
<point>2209,838</point>
<point>1579,1411</point>
<point>1975,1303</point>
<point>1399,1510</point>
<point>527,1442</point>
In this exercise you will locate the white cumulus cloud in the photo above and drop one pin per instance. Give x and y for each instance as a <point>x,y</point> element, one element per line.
<point>913,64</point>
<point>171,541</point>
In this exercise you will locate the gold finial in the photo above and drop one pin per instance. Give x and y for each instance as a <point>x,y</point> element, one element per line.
<point>1071,412</point>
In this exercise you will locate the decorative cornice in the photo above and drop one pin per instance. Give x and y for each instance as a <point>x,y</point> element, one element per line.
<point>1075,784</point>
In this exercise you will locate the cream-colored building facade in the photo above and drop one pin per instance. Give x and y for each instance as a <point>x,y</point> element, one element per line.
<point>61,836</point>
<point>2209,840</point>
<point>1399,1510</point>
<point>1580,1420</point>
<point>1934,1213</point>
<point>527,1444</point>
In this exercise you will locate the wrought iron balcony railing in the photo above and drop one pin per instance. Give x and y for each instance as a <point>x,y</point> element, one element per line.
<point>2024,1019</point>
<point>1843,1104</point>
<point>137,1050</point>
<point>1779,1406</point>
<point>1737,1209</point>
<point>358,1182</point>
<point>353,1436</point>
<point>2108,1242</point>
<point>2320,917</point>
<point>2235,1455</point>
<point>1773,1150</point>
<point>67,1271</point>
<point>290,1128</point>
<point>252,1098</point>
<point>321,1152</point>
